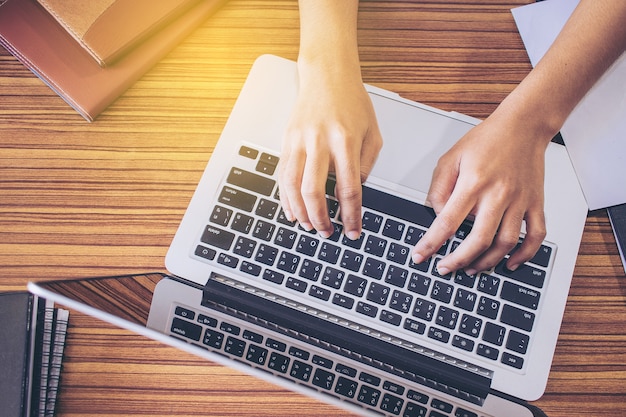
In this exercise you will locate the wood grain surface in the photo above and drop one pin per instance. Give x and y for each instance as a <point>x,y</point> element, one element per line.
<point>81,199</point>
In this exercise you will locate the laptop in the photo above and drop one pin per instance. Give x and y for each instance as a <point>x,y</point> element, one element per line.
<point>354,323</point>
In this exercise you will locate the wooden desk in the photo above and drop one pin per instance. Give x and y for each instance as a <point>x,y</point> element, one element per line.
<point>80,199</point>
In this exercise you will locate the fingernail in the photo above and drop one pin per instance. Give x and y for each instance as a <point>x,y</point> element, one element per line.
<point>306,226</point>
<point>353,235</point>
<point>471,271</point>
<point>443,270</point>
<point>418,258</point>
<point>325,234</point>
<point>512,267</point>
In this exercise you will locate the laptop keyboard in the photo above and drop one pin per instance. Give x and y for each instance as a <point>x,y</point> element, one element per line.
<point>326,373</point>
<point>489,315</point>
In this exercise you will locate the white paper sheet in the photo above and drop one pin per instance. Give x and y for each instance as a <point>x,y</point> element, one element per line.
<point>595,132</point>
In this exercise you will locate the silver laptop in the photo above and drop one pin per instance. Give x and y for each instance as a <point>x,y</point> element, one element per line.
<point>357,323</point>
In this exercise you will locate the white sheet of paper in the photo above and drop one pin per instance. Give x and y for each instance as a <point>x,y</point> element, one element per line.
<point>595,132</point>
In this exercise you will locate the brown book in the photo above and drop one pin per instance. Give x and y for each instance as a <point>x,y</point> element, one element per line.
<point>34,37</point>
<point>109,29</point>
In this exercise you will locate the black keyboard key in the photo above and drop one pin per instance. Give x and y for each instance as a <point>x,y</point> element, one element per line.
<point>398,253</point>
<point>517,342</point>
<point>266,254</point>
<point>323,379</point>
<point>464,230</point>
<point>230,328</point>
<point>299,353</point>
<point>329,253</point>
<point>275,344</point>
<point>266,208</point>
<point>525,274</point>
<point>311,270</point>
<point>248,152</point>
<point>221,215</point>
<point>346,370</point>
<point>441,405</point>
<point>217,237</point>
<point>288,262</point>
<point>333,207</point>
<point>337,230</point>
<point>242,223</point>
<point>441,292</point>
<point>251,181</point>
<point>369,379</point>
<point>470,325</point>
<point>465,299</point>
<point>487,351</point>
<point>512,360</point>
<point>307,245</point>
<point>234,346</point>
<point>488,284</point>
<point>355,285</point>
<point>413,235</point>
<point>244,247</point>
<point>332,277</point>
<point>436,273</point>
<point>206,253</point>
<point>397,207</point>
<point>378,293</point>
<point>517,317</point>
<point>351,260</point>
<point>301,371</point>
<point>371,221</point>
<point>186,329</point>
<point>488,308</point>
<point>460,277</point>
<point>354,244</point>
<point>250,268</point>
<point>278,362</point>
<point>319,292</point>
<point>417,396</point>
<point>282,219</point>
<point>322,361</point>
<point>463,343</point>
<point>268,160</point>
<point>237,199</point>
<point>542,257</point>
<point>400,301</point>
<point>375,246</point>
<point>393,387</point>
<point>447,317</point>
<point>396,276</point>
<point>213,339</point>
<point>366,309</point>
<point>424,309</point>
<point>296,284</point>
<point>368,395</point>
<point>391,404</point>
<point>256,354</point>
<point>285,237</point>
<point>263,230</point>
<point>346,387</point>
<point>494,334</point>
<point>227,260</point>
<point>434,413</point>
<point>374,268</point>
<point>517,294</point>
<point>343,300</point>
<point>414,326</point>
<point>414,410</point>
<point>252,336</point>
<point>390,317</point>
<point>185,313</point>
<point>438,334</point>
<point>273,276</point>
<point>419,283</point>
<point>206,320</point>
<point>460,412</point>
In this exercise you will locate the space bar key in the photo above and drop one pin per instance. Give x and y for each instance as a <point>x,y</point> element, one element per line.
<point>395,206</point>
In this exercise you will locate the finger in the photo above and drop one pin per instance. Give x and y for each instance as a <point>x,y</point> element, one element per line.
<point>443,227</point>
<point>507,236</point>
<point>369,152</point>
<point>442,185</point>
<point>535,235</point>
<point>290,179</point>
<point>477,242</point>
<point>348,192</point>
<point>313,191</point>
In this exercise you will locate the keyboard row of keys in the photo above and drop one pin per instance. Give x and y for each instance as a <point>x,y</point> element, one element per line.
<point>318,371</point>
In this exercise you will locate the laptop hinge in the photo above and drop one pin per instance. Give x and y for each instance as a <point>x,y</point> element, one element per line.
<point>337,335</point>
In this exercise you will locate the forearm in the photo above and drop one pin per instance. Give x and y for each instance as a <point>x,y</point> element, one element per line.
<point>328,35</point>
<point>592,39</point>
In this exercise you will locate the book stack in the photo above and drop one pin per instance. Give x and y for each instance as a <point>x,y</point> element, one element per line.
<point>90,52</point>
<point>32,340</point>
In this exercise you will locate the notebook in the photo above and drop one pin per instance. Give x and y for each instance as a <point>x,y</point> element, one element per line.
<point>354,323</point>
